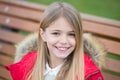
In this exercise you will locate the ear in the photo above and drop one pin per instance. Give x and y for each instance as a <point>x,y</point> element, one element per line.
<point>42,34</point>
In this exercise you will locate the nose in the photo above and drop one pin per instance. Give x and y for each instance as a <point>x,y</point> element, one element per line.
<point>63,39</point>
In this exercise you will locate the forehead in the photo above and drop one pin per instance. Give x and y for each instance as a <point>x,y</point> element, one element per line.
<point>60,24</point>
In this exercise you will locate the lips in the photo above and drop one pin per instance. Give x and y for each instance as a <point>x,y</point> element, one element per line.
<point>62,49</point>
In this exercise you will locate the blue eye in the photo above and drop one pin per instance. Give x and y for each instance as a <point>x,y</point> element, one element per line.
<point>71,34</point>
<point>55,33</point>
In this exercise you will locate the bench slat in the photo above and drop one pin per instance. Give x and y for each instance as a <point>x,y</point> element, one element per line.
<point>100,20</point>
<point>25,4</point>
<point>20,12</point>
<point>103,30</point>
<point>18,23</point>
<point>2,78</point>
<point>112,46</point>
<point>7,49</point>
<point>10,36</point>
<point>108,76</point>
<point>5,60</point>
<point>112,64</point>
<point>4,73</point>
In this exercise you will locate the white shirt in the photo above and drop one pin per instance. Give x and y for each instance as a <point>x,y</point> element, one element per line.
<point>53,71</point>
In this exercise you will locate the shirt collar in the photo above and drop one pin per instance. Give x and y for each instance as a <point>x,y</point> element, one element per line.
<point>52,71</point>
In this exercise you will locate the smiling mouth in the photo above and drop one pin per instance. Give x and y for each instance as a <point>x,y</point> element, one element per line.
<point>62,49</point>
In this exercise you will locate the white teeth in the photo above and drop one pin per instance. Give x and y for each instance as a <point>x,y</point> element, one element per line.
<point>62,48</point>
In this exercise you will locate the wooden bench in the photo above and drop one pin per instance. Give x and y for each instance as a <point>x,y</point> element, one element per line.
<point>19,16</point>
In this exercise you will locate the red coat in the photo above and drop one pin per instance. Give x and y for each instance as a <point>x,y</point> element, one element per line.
<point>19,70</point>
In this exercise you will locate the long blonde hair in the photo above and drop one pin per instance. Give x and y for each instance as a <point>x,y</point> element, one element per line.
<point>73,68</point>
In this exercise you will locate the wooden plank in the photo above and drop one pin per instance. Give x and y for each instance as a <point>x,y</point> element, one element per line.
<point>20,24</point>
<point>100,20</point>
<point>101,29</point>
<point>2,79</point>
<point>112,46</point>
<point>25,4</point>
<point>5,60</point>
<point>20,12</point>
<point>4,73</point>
<point>11,37</point>
<point>112,65</point>
<point>7,49</point>
<point>108,76</point>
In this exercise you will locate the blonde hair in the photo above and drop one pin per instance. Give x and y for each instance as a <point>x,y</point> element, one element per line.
<point>73,68</point>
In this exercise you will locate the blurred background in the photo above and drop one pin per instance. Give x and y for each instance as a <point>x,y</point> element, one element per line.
<point>103,8</point>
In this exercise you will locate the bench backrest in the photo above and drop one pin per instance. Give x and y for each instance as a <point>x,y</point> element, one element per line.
<point>19,16</point>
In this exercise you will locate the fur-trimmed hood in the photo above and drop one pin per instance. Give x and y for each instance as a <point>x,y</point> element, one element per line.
<point>92,46</point>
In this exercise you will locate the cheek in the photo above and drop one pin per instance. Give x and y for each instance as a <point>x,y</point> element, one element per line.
<point>51,40</point>
<point>73,42</point>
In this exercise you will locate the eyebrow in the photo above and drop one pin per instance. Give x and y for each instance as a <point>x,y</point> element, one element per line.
<point>60,31</point>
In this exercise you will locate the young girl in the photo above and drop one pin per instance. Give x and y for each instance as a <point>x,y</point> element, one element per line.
<point>60,51</point>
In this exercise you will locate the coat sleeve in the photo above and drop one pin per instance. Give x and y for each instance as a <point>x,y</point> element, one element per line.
<point>19,70</point>
<point>96,76</point>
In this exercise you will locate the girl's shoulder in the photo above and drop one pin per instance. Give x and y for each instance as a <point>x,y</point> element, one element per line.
<point>20,69</point>
<point>92,72</point>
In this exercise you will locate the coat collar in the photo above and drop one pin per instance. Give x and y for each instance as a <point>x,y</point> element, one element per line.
<point>92,46</point>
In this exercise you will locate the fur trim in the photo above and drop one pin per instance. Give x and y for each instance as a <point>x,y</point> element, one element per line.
<point>25,46</point>
<point>95,49</point>
<point>92,46</point>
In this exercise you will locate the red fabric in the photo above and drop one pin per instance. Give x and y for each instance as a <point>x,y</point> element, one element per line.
<point>19,70</point>
<point>97,76</point>
<point>92,72</point>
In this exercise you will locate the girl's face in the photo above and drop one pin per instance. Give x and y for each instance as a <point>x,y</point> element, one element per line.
<point>60,39</point>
